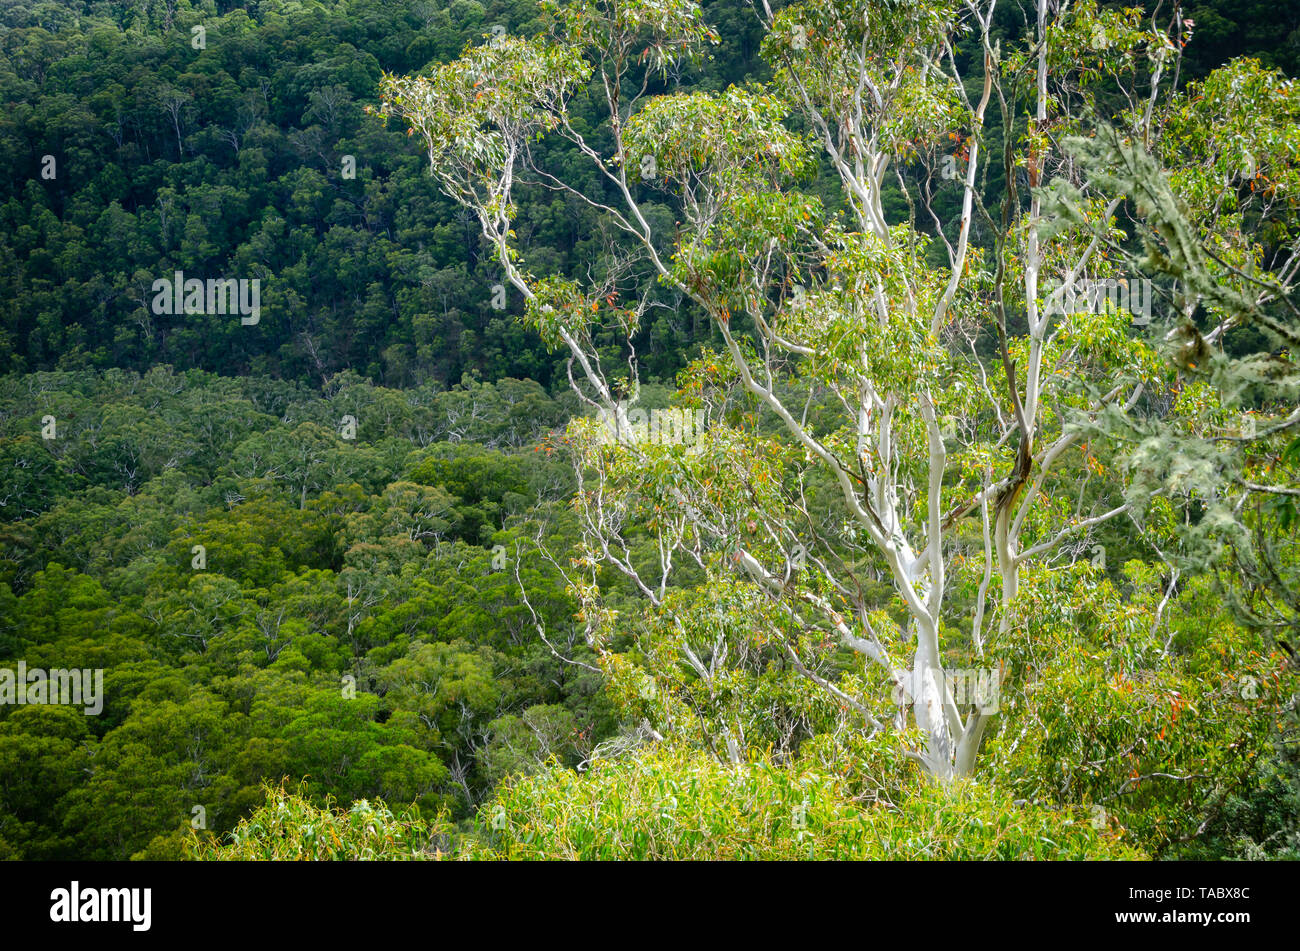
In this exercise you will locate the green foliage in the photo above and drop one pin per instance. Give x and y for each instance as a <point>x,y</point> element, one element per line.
<point>344,626</point>
<point>676,805</point>
<point>1151,728</point>
<point>290,828</point>
<point>673,805</point>
<point>408,614</point>
<point>254,158</point>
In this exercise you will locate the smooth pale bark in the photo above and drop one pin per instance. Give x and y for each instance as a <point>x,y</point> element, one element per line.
<point>873,493</point>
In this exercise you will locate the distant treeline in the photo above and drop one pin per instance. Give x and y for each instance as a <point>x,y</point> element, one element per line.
<point>230,140</point>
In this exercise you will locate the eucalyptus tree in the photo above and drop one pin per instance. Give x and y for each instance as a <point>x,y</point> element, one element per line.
<point>874,416</point>
<point>1217,213</point>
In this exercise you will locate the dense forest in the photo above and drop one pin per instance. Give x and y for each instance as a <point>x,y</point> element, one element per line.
<point>419,560</point>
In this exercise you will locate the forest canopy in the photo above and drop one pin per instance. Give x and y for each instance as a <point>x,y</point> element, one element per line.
<point>856,430</point>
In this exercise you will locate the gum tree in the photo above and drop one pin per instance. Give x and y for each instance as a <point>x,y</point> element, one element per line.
<point>898,420</point>
<point>1218,224</point>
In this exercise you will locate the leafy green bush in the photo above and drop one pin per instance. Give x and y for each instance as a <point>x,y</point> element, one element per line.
<point>677,804</point>
<point>289,827</point>
<point>672,804</point>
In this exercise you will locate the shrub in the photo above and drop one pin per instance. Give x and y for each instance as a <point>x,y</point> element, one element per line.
<point>290,827</point>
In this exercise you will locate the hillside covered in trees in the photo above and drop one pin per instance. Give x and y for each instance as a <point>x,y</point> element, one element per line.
<point>667,430</point>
